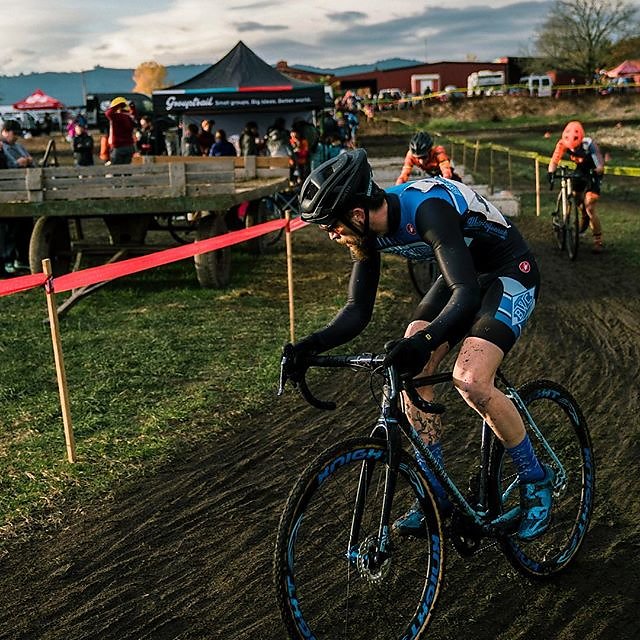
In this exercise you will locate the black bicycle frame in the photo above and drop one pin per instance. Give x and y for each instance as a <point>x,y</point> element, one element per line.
<point>390,424</point>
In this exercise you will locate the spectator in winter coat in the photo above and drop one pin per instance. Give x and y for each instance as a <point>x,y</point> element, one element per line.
<point>15,233</point>
<point>250,140</point>
<point>149,140</point>
<point>300,161</point>
<point>190,145</point>
<point>221,146</point>
<point>277,140</point>
<point>122,122</point>
<point>82,144</point>
<point>206,138</point>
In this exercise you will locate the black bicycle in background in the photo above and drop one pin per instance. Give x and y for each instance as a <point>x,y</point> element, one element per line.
<point>423,274</point>
<point>569,213</point>
<point>342,571</point>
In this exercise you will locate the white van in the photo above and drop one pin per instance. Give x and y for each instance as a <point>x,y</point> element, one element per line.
<point>26,121</point>
<point>485,83</point>
<point>537,86</point>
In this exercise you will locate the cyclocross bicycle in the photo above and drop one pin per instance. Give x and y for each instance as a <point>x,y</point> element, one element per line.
<point>569,213</point>
<point>342,571</point>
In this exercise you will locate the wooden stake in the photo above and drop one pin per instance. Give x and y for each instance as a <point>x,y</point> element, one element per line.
<point>491,186</point>
<point>59,360</point>
<point>287,237</point>
<point>537,170</point>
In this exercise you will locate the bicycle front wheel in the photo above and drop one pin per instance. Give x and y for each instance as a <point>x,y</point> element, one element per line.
<point>329,587</point>
<point>572,229</point>
<point>563,443</point>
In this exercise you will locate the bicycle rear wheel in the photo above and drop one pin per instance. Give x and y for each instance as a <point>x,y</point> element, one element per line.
<point>569,453</point>
<point>328,591</point>
<point>423,274</point>
<point>572,229</point>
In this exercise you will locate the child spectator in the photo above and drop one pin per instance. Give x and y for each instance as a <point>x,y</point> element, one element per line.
<point>82,144</point>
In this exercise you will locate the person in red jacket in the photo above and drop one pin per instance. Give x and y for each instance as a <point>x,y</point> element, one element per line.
<point>300,161</point>
<point>122,119</point>
<point>432,160</point>
<point>586,154</point>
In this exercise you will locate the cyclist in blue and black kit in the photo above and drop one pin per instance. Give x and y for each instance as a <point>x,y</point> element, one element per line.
<point>484,296</point>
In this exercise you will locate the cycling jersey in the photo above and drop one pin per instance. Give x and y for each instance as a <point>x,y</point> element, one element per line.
<point>436,163</point>
<point>589,162</point>
<point>489,280</point>
<point>587,156</point>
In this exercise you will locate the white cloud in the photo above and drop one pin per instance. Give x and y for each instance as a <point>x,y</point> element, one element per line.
<point>71,35</point>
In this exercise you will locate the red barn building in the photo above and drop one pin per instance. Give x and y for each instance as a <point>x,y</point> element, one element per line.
<point>416,78</point>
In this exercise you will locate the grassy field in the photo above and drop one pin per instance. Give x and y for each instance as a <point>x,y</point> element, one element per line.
<point>155,364</point>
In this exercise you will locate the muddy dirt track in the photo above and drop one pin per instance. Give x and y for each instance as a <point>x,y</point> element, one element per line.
<point>186,554</point>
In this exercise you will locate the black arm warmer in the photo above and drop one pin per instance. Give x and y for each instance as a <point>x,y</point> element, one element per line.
<point>440,224</point>
<point>356,313</point>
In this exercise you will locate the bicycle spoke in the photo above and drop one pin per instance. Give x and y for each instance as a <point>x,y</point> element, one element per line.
<point>564,445</point>
<point>337,589</point>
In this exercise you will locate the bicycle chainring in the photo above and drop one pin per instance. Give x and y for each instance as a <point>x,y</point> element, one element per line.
<point>465,535</point>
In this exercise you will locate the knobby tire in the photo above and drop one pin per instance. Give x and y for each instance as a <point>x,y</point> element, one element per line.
<point>572,228</point>
<point>559,418</point>
<point>328,592</point>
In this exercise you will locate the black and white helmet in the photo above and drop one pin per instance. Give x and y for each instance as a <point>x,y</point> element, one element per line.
<point>331,188</point>
<point>421,144</point>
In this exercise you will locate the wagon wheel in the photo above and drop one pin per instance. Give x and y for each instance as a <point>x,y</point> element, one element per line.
<point>260,211</point>
<point>51,239</point>
<point>213,269</point>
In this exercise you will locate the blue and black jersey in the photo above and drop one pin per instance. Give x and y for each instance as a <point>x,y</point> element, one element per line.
<point>475,247</point>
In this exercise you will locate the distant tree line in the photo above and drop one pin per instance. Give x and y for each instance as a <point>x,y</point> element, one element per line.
<point>583,36</point>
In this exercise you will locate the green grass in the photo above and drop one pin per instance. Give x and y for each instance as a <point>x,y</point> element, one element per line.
<point>155,364</point>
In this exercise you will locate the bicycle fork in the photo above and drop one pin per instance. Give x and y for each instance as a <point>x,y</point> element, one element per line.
<point>374,551</point>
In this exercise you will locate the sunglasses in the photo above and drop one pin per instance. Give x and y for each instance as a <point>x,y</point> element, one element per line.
<point>330,228</point>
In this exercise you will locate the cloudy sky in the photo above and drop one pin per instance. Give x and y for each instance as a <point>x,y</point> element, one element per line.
<point>73,35</point>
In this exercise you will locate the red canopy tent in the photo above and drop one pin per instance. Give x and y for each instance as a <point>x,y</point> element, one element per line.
<point>626,68</point>
<point>39,100</point>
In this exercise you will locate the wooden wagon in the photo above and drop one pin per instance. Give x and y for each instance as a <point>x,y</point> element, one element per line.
<point>190,198</point>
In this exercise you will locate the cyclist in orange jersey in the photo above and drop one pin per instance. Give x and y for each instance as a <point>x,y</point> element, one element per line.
<point>589,163</point>
<point>432,160</point>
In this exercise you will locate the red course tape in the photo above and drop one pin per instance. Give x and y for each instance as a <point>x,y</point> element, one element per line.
<point>93,275</point>
<point>22,283</point>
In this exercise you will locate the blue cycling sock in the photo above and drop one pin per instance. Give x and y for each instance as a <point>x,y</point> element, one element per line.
<point>526,462</point>
<point>436,451</point>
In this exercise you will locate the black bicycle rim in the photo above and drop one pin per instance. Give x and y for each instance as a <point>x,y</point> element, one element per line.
<point>562,424</point>
<point>326,590</point>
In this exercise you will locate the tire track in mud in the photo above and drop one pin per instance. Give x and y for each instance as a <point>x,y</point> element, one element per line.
<point>186,553</point>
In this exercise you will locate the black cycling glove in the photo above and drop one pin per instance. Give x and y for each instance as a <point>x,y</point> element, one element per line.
<point>296,354</point>
<point>409,355</point>
<point>551,177</point>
